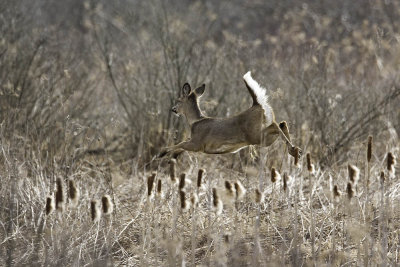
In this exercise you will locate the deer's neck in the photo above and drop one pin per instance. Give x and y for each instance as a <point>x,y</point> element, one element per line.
<point>194,115</point>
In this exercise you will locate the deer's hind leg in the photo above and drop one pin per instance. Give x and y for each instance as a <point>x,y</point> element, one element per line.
<point>271,133</point>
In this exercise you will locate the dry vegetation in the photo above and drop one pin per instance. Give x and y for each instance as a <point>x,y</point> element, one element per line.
<point>85,93</point>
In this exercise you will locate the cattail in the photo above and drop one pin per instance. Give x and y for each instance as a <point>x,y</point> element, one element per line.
<point>285,129</point>
<point>217,203</point>
<point>382,178</point>
<point>159,185</point>
<point>229,194</point>
<point>95,211</point>
<point>369,149</point>
<point>194,200</point>
<point>259,196</point>
<point>349,190</point>
<point>200,177</point>
<point>336,193</point>
<point>49,205</point>
<point>150,183</point>
<point>60,203</point>
<point>184,204</point>
<point>226,239</point>
<point>274,175</point>
<point>354,173</point>
<point>310,165</point>
<point>230,189</point>
<point>285,180</point>
<point>182,181</point>
<point>73,193</point>
<point>239,189</point>
<point>391,161</point>
<point>172,164</point>
<point>107,204</point>
<point>297,156</point>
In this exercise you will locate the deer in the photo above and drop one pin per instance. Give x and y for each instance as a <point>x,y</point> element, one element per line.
<point>254,126</point>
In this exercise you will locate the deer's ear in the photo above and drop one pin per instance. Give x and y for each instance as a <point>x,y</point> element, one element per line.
<point>199,91</point>
<point>186,89</point>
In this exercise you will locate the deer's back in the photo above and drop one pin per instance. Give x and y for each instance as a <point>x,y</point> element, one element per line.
<point>221,135</point>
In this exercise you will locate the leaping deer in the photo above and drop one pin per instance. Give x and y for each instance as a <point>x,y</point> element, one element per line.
<point>255,126</point>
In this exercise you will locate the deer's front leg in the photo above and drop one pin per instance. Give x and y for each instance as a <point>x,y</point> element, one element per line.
<point>186,145</point>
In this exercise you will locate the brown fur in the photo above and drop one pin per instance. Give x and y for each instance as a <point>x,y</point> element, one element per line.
<point>224,135</point>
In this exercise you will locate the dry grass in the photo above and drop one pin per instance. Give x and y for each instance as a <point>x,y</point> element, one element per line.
<point>85,93</point>
<point>308,223</point>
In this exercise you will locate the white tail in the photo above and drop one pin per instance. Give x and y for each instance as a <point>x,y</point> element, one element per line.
<point>262,97</point>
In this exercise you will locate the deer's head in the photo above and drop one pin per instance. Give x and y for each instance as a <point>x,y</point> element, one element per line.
<point>187,102</point>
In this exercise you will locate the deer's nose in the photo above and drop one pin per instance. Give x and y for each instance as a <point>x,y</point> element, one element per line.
<point>174,109</point>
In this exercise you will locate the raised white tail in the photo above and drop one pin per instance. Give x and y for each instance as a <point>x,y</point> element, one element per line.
<point>261,96</point>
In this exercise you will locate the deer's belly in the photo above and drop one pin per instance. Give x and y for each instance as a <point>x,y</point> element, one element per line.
<point>224,148</point>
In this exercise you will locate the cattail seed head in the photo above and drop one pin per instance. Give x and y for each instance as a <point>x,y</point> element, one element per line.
<point>200,177</point>
<point>297,156</point>
<point>226,239</point>
<point>182,196</point>
<point>172,171</point>
<point>350,191</point>
<point>150,184</point>
<point>336,193</point>
<point>73,193</point>
<point>60,202</point>
<point>354,173</point>
<point>49,205</point>
<point>310,165</point>
<point>274,175</point>
<point>182,181</point>
<point>95,211</point>
<point>391,161</point>
<point>382,178</point>
<point>285,180</point>
<point>239,189</point>
<point>369,149</point>
<point>107,204</point>
<point>217,203</point>
<point>259,197</point>
<point>159,185</point>
<point>229,188</point>
<point>194,199</point>
<point>229,196</point>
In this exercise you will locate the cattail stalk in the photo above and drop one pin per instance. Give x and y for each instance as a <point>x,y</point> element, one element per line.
<point>311,171</point>
<point>367,202</point>
<point>382,220</point>
<point>335,200</point>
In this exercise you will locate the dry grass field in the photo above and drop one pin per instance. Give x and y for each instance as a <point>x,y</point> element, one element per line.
<point>86,90</point>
